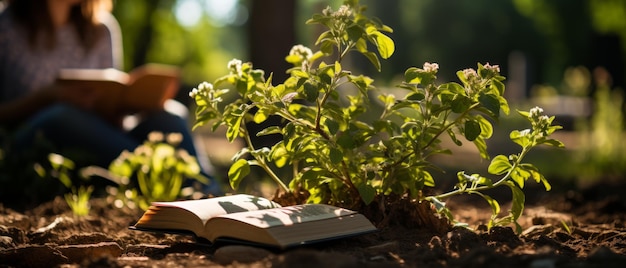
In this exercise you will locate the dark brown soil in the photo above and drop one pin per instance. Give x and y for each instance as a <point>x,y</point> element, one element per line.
<point>576,228</point>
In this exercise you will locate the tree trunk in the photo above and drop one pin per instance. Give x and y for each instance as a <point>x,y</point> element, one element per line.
<point>271,34</point>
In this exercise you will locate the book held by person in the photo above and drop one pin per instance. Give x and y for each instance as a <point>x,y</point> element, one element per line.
<point>117,93</point>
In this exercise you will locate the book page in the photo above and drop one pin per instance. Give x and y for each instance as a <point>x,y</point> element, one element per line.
<point>150,86</point>
<point>291,215</point>
<point>212,207</point>
<point>108,74</point>
<point>321,230</point>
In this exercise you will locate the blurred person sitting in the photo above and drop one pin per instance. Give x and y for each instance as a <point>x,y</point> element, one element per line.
<point>40,37</point>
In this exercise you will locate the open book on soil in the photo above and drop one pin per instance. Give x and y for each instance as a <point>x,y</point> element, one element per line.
<point>145,88</point>
<point>254,220</point>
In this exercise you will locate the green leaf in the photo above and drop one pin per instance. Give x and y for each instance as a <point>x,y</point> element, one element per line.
<point>517,205</point>
<point>299,74</point>
<point>327,47</point>
<point>499,165</point>
<point>335,155</point>
<point>269,131</point>
<point>415,96</point>
<point>486,129</point>
<point>361,81</point>
<point>453,88</point>
<point>543,180</point>
<point>481,145</point>
<point>460,104</point>
<point>373,58</point>
<point>337,69</point>
<point>491,103</point>
<point>361,45</point>
<point>539,178</point>
<point>260,116</point>
<point>461,75</point>
<point>495,206</point>
<point>504,105</point>
<point>332,126</point>
<point>412,76</point>
<point>354,32</point>
<point>367,192</point>
<point>498,85</point>
<point>346,141</point>
<point>553,142</point>
<point>236,173</point>
<point>472,130</point>
<point>385,45</point>
<point>427,179</point>
<point>233,129</point>
<point>279,154</point>
<point>453,137</point>
<point>293,59</point>
<point>520,138</point>
<point>524,114</point>
<point>326,74</point>
<point>519,177</point>
<point>310,92</point>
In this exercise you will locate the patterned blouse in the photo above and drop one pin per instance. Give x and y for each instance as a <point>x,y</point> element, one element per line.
<point>24,69</point>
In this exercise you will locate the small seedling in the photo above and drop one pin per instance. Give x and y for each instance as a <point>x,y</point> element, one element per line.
<point>158,168</point>
<point>78,197</point>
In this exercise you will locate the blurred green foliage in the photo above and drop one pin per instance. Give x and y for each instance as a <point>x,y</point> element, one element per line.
<point>152,33</point>
<point>552,35</point>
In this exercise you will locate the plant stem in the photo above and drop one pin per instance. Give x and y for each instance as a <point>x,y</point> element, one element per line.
<point>262,162</point>
<point>487,187</point>
<point>443,129</point>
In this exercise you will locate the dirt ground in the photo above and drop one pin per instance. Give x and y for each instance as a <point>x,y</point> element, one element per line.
<point>570,228</point>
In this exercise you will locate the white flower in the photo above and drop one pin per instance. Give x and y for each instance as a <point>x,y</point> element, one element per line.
<point>343,12</point>
<point>205,86</point>
<point>193,93</point>
<point>202,90</point>
<point>536,112</point>
<point>470,73</point>
<point>327,11</point>
<point>234,66</point>
<point>495,68</point>
<point>302,51</point>
<point>431,67</point>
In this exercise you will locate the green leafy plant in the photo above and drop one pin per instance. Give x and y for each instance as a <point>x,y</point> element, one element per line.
<point>78,197</point>
<point>513,171</point>
<point>339,152</point>
<point>158,167</point>
<point>602,151</point>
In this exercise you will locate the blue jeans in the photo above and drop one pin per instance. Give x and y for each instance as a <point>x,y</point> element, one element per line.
<point>69,127</point>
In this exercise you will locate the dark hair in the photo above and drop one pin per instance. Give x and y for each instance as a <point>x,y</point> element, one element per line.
<point>33,15</point>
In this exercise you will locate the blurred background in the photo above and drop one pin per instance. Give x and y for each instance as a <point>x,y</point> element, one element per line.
<point>567,56</point>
